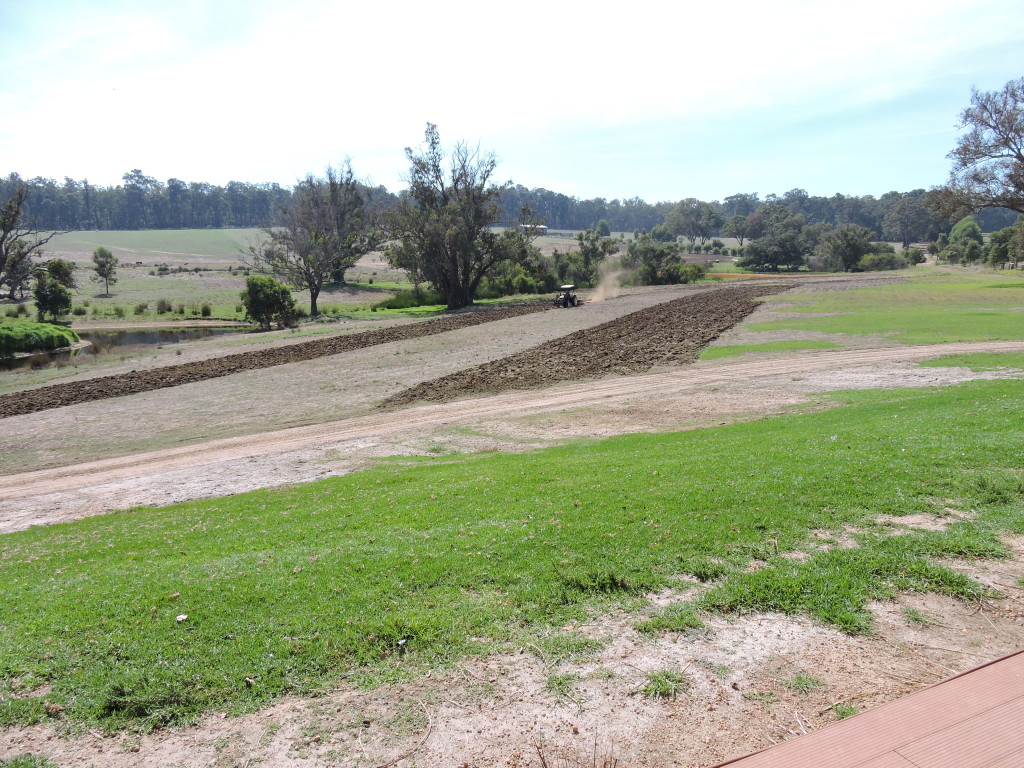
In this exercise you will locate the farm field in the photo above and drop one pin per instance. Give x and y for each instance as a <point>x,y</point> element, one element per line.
<point>200,266</point>
<point>806,523</point>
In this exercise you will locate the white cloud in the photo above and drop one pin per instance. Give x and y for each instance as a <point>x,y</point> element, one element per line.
<point>259,91</point>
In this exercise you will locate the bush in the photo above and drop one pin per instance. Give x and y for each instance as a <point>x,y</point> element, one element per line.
<point>913,256</point>
<point>410,299</point>
<point>162,306</point>
<point>79,311</point>
<point>52,298</point>
<point>267,301</point>
<point>119,311</point>
<point>206,311</point>
<point>22,336</point>
<point>141,308</point>
<point>875,262</point>
<point>181,309</point>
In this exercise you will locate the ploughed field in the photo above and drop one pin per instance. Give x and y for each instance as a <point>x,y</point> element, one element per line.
<point>673,332</point>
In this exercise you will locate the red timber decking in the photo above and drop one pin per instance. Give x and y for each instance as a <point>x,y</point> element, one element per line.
<point>972,720</point>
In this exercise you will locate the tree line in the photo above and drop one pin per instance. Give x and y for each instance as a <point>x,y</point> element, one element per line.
<point>143,202</point>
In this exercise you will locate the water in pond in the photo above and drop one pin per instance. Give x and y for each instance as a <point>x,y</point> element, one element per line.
<point>123,342</point>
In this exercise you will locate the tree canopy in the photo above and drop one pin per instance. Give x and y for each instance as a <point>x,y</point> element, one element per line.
<point>319,235</point>
<point>988,161</point>
<point>105,267</point>
<point>441,230</point>
<point>20,243</point>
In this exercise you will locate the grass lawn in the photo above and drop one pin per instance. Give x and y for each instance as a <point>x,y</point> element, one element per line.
<point>731,350</point>
<point>153,616</point>
<point>930,307</point>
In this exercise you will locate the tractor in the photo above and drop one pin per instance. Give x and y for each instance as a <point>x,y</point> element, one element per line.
<point>567,297</point>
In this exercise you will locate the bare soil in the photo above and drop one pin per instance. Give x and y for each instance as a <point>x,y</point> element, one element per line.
<point>232,433</point>
<point>134,382</point>
<point>670,333</point>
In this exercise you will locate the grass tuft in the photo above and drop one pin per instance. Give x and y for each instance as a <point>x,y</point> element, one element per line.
<point>666,684</point>
<point>679,617</point>
<point>802,682</point>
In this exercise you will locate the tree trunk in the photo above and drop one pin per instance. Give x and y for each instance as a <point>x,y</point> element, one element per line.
<point>313,312</point>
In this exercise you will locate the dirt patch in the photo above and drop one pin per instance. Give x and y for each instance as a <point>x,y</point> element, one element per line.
<point>670,333</point>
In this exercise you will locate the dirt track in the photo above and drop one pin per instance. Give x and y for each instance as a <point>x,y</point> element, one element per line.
<point>99,486</point>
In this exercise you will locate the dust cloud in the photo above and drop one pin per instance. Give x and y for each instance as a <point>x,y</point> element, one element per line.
<point>610,284</point>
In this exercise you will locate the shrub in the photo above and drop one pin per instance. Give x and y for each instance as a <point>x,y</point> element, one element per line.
<point>181,309</point>
<point>22,336</point>
<point>267,301</point>
<point>874,262</point>
<point>119,311</point>
<point>409,299</point>
<point>206,311</point>
<point>52,297</point>
<point>141,308</point>
<point>162,306</point>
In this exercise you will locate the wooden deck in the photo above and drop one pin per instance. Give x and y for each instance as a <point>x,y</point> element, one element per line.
<point>972,720</point>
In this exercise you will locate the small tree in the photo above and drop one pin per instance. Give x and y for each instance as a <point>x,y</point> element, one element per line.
<point>267,301</point>
<point>322,232</point>
<point>51,297</point>
<point>848,244</point>
<point>105,268</point>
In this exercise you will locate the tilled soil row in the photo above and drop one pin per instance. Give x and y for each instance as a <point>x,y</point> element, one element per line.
<point>72,393</point>
<point>671,333</point>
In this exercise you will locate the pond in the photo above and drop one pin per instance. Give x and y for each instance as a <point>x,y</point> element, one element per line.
<point>123,342</point>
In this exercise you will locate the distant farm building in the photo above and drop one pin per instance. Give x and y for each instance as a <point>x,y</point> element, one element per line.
<point>533,229</point>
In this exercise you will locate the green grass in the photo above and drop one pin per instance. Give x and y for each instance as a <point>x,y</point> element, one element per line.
<point>915,617</point>
<point>843,711</point>
<point>666,684</point>
<point>24,336</point>
<point>678,617</point>
<point>979,361</point>
<point>802,682</point>
<point>927,308</point>
<point>27,761</point>
<point>385,573</point>
<point>160,245</point>
<point>714,353</point>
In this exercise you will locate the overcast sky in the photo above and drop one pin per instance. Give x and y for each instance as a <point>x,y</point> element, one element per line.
<point>659,100</point>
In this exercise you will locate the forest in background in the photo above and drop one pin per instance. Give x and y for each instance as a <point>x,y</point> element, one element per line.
<point>143,202</point>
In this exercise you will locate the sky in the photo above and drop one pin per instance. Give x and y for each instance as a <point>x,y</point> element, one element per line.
<point>646,99</point>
